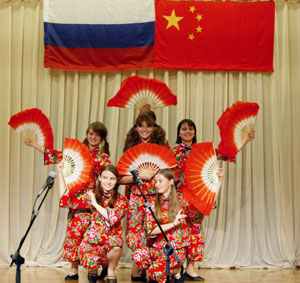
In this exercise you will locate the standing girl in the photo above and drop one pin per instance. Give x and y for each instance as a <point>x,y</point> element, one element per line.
<point>144,130</point>
<point>186,137</point>
<point>79,208</point>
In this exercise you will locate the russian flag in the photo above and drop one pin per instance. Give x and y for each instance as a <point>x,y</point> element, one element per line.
<point>99,34</point>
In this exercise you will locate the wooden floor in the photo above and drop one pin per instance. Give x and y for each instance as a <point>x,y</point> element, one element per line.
<point>57,274</point>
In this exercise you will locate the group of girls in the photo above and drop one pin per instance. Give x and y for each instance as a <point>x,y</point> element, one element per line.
<point>94,232</point>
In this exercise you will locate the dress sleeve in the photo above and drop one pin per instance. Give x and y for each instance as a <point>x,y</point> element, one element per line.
<point>118,212</point>
<point>102,159</point>
<point>150,223</point>
<point>81,200</point>
<point>221,156</point>
<point>52,156</point>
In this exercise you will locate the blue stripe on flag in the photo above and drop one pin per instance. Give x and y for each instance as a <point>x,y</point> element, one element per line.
<point>99,36</point>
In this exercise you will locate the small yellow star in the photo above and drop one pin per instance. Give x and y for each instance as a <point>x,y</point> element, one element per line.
<point>199,17</point>
<point>192,9</point>
<point>173,20</point>
<point>191,37</point>
<point>198,29</point>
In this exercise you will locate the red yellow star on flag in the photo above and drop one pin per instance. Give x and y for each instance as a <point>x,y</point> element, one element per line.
<point>189,28</point>
<point>173,21</point>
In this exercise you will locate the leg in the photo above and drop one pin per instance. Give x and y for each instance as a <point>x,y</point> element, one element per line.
<point>157,269</point>
<point>74,267</point>
<point>135,271</point>
<point>90,259</point>
<point>195,251</point>
<point>191,274</point>
<point>113,257</point>
<point>135,233</point>
<point>77,224</point>
<point>190,268</point>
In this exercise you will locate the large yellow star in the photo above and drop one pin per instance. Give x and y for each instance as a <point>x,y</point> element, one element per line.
<point>173,20</point>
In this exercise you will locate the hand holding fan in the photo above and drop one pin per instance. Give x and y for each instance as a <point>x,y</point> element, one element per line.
<point>136,92</point>
<point>33,125</point>
<point>146,158</point>
<point>78,165</point>
<point>235,125</point>
<point>201,173</point>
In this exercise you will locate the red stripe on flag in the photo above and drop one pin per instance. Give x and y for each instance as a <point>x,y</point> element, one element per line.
<point>98,59</point>
<point>214,35</point>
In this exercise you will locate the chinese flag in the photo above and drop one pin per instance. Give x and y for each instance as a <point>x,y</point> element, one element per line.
<point>214,35</point>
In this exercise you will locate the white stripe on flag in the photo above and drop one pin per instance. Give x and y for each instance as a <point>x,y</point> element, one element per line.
<point>99,11</point>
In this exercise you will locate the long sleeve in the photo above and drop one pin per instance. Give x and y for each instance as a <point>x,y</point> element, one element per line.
<point>116,214</point>
<point>81,200</point>
<point>52,156</point>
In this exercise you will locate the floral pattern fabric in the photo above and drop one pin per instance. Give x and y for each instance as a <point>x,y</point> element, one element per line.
<point>155,261</point>
<point>52,156</point>
<point>178,236</point>
<point>152,257</point>
<point>79,204</point>
<point>135,230</point>
<point>78,221</point>
<point>103,234</point>
<point>102,230</point>
<point>194,218</point>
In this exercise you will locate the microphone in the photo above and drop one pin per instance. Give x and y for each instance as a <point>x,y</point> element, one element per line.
<point>136,177</point>
<point>49,182</point>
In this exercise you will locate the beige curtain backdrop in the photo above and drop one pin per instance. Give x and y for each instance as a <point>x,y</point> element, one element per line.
<point>257,222</point>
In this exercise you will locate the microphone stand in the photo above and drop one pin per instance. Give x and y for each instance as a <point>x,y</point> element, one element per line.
<point>16,257</point>
<point>168,248</point>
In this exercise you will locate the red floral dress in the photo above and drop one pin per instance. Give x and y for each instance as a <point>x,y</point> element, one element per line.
<point>194,217</point>
<point>103,234</point>
<point>152,257</point>
<point>135,230</point>
<point>79,206</point>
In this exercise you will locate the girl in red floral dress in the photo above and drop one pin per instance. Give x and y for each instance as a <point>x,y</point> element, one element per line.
<point>144,131</point>
<point>169,209</point>
<point>102,240</point>
<point>186,136</point>
<point>79,207</point>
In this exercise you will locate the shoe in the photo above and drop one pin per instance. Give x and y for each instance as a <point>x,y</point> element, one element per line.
<point>188,277</point>
<point>152,281</point>
<point>71,277</point>
<point>111,280</point>
<point>103,273</point>
<point>181,279</point>
<point>92,277</point>
<point>140,278</point>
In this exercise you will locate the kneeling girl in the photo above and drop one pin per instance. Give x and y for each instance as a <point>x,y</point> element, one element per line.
<point>169,210</point>
<point>103,239</point>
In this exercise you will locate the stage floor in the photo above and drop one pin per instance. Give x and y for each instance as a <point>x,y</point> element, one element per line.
<point>57,274</point>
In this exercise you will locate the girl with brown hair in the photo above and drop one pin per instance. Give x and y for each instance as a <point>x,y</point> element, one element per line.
<point>144,130</point>
<point>169,210</point>
<point>79,217</point>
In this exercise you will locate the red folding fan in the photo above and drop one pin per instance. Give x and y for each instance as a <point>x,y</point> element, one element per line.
<point>201,177</point>
<point>235,124</point>
<point>136,92</point>
<point>34,125</point>
<point>78,164</point>
<point>146,158</point>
